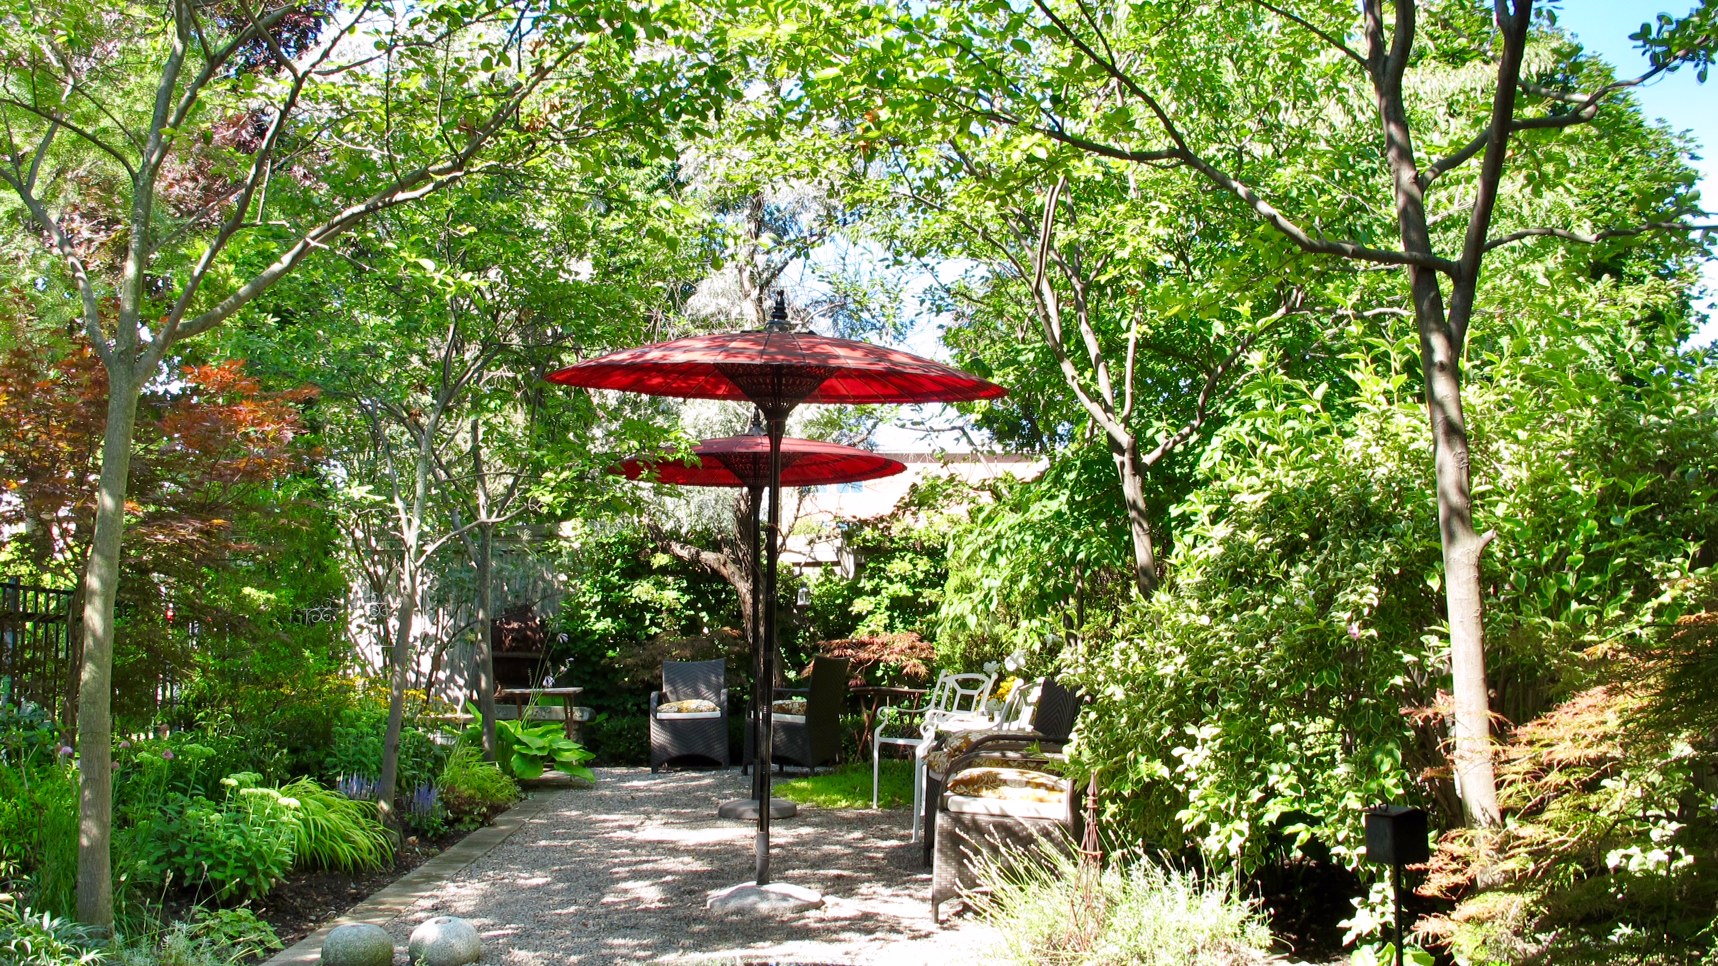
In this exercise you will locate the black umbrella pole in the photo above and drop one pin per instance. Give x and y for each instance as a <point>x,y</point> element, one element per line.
<point>766,750</point>
<point>755,631</point>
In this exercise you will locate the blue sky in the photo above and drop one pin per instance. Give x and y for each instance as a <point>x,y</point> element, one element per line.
<point>1603,27</point>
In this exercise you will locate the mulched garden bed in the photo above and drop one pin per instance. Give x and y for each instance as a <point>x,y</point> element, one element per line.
<point>306,900</point>
<point>303,901</point>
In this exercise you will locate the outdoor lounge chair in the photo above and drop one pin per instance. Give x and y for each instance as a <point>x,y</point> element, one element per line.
<point>955,698</point>
<point>814,738</point>
<point>1051,725</point>
<point>680,730</point>
<point>1000,807</point>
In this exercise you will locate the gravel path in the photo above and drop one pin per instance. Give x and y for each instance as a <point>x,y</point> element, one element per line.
<point>620,873</point>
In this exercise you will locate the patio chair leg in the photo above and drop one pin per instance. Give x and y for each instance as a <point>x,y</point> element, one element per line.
<point>876,770</point>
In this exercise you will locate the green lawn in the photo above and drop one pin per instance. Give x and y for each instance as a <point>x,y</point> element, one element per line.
<point>849,786</point>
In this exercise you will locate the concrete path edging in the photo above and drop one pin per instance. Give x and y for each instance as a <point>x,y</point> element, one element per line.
<point>398,896</point>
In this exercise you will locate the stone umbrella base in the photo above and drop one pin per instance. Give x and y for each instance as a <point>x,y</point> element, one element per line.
<point>747,809</point>
<point>777,898</point>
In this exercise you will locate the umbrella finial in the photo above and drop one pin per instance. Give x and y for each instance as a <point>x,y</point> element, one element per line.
<point>778,315</point>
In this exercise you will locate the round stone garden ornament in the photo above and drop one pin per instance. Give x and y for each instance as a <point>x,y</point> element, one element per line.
<point>358,944</point>
<point>445,941</point>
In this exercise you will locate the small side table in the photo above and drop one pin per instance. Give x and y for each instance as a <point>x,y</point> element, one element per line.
<point>523,697</point>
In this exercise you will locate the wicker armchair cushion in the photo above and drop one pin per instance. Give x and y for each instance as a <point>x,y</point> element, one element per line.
<point>949,746</point>
<point>695,708</point>
<point>1005,808</point>
<point>1009,784</point>
<point>789,706</point>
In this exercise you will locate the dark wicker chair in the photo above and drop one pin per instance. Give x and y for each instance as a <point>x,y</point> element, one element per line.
<point>690,735</point>
<point>1052,724</point>
<point>814,739</point>
<point>971,829</point>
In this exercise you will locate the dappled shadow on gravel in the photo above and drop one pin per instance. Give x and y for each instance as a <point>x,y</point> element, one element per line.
<point>620,873</point>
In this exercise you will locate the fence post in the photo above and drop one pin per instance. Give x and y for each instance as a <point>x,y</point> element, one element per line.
<point>8,637</point>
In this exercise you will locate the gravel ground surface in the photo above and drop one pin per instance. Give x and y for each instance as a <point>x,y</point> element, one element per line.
<point>620,873</point>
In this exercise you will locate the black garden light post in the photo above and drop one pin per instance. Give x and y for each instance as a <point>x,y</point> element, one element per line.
<point>1396,835</point>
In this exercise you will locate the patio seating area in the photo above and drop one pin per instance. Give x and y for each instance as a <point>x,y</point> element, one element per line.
<point>803,484</point>
<point>620,873</point>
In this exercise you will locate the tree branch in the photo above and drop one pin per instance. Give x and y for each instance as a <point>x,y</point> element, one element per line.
<point>410,187</point>
<point>1334,41</point>
<point>82,132</point>
<point>74,261</point>
<point>1599,236</point>
<point>1201,407</point>
<point>1263,209</point>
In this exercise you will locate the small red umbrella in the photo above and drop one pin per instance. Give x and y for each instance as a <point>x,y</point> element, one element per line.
<point>776,370</point>
<point>738,461</point>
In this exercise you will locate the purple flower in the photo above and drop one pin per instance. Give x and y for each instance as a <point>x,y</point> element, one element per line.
<point>167,754</point>
<point>124,745</point>
<point>65,751</point>
<point>1354,631</point>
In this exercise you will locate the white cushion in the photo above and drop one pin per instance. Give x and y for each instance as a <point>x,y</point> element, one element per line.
<point>691,706</point>
<point>1003,807</point>
<point>794,718</point>
<point>686,715</point>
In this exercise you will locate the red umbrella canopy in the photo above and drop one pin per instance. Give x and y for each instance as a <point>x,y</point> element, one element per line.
<point>745,461</point>
<point>777,370</point>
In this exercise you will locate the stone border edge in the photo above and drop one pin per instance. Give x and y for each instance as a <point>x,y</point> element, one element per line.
<point>395,898</point>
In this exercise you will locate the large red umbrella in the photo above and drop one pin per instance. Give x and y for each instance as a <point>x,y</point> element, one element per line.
<point>776,370</point>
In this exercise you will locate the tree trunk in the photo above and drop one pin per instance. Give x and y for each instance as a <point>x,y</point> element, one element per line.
<point>1475,779</point>
<point>400,661</point>
<point>1440,361</point>
<point>1138,515</point>
<point>95,685</point>
<point>485,650</point>
<point>410,530</point>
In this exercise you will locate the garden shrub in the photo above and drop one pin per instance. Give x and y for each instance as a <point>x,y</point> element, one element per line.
<point>1287,674</point>
<point>32,938</point>
<point>901,570</point>
<point>1612,814</point>
<point>332,831</point>
<point>54,882</point>
<point>474,791</point>
<point>620,739</point>
<point>38,811</point>
<point>1132,912</point>
<point>901,660</point>
<point>355,747</point>
<point>237,847</point>
<point>209,937</point>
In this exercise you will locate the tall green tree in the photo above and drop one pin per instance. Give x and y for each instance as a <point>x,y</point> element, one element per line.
<point>182,165</point>
<point>1398,137</point>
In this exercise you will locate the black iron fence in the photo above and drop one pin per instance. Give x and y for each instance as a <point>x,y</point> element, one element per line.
<point>35,650</point>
